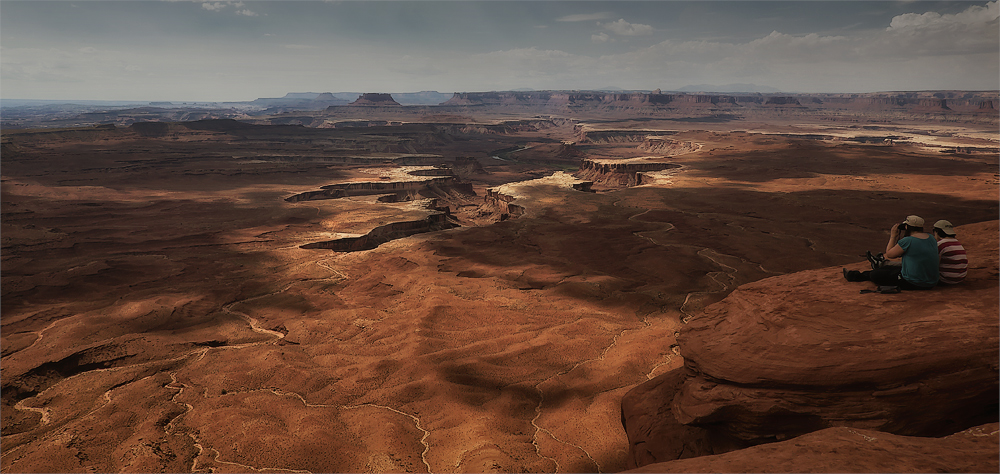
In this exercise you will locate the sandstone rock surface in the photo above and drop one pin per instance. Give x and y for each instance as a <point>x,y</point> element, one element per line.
<point>854,450</point>
<point>797,353</point>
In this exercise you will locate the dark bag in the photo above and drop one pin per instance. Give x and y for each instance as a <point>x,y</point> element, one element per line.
<point>877,261</point>
<point>884,289</point>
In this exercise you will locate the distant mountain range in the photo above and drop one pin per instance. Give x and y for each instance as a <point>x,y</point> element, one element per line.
<point>290,101</point>
<point>727,88</point>
<point>404,98</point>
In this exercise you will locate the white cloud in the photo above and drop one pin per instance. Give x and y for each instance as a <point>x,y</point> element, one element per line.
<point>585,17</point>
<point>805,48</point>
<point>222,4</point>
<point>600,38</point>
<point>976,30</point>
<point>971,16</point>
<point>217,6</point>
<point>916,52</point>
<point>624,28</point>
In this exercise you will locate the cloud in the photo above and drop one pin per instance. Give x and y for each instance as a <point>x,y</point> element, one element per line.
<point>600,38</point>
<point>220,5</point>
<point>585,17</point>
<point>624,28</point>
<point>916,51</point>
<point>975,30</point>
<point>932,20</point>
<point>217,6</point>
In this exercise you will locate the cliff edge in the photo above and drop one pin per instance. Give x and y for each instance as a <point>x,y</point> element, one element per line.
<point>804,352</point>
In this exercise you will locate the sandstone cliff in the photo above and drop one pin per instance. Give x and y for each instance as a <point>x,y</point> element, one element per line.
<point>667,146</point>
<point>926,105</point>
<point>620,172</point>
<point>385,233</point>
<point>500,204</point>
<point>793,354</point>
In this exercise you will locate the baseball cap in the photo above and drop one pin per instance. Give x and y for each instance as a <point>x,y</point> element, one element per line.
<point>914,221</point>
<point>945,227</point>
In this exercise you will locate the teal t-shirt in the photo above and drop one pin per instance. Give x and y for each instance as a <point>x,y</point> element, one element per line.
<point>920,261</point>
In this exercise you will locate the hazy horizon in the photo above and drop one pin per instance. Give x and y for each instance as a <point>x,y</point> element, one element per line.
<point>230,51</point>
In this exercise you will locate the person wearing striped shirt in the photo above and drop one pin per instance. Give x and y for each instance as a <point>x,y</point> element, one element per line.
<point>953,263</point>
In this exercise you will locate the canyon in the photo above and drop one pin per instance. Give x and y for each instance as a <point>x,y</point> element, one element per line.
<point>508,281</point>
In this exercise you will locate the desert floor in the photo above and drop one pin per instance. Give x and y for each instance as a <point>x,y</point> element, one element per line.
<point>159,314</point>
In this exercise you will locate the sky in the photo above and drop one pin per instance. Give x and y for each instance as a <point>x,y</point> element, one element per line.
<point>182,50</point>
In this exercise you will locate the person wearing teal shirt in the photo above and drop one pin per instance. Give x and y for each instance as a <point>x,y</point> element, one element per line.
<point>918,253</point>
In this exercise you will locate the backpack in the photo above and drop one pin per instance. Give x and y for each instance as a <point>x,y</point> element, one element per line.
<point>877,261</point>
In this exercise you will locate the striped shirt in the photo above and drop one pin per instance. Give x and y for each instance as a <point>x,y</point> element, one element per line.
<point>954,263</point>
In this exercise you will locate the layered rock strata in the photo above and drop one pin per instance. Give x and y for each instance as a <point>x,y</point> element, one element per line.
<point>385,233</point>
<point>438,178</point>
<point>619,172</point>
<point>793,354</point>
<point>667,146</point>
<point>586,135</point>
<point>499,203</point>
<point>946,100</point>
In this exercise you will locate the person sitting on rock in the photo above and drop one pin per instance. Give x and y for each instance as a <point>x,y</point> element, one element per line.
<point>954,263</point>
<point>919,255</point>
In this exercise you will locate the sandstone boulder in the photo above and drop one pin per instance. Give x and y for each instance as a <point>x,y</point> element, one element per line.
<point>798,353</point>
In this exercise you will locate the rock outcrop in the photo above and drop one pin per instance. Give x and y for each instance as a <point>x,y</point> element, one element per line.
<point>385,233</point>
<point>495,202</point>
<point>793,354</point>
<point>295,101</point>
<point>667,146</point>
<point>782,101</point>
<point>587,135</point>
<point>855,450</point>
<point>924,105</point>
<point>434,182</point>
<point>506,127</point>
<point>619,172</point>
<point>375,99</point>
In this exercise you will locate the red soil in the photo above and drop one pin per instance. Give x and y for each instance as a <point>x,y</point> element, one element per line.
<point>159,314</point>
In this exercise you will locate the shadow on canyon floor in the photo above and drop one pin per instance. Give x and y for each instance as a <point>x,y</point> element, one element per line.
<point>647,240</point>
<point>808,159</point>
